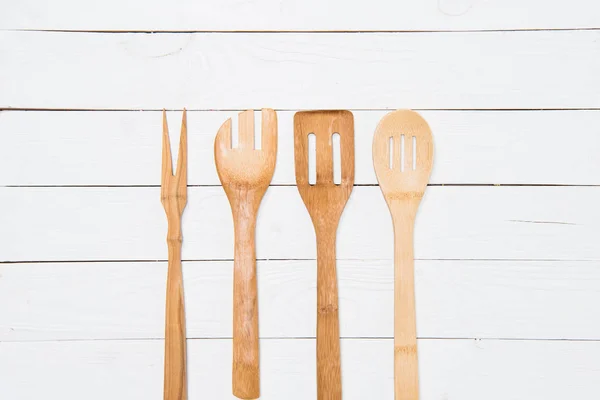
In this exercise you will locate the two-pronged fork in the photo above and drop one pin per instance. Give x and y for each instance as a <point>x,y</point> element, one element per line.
<point>246,173</point>
<point>403,158</point>
<point>173,195</point>
<point>325,202</point>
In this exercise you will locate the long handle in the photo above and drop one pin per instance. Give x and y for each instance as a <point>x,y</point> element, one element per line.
<point>406,367</point>
<point>246,372</point>
<point>329,380</point>
<point>175,386</point>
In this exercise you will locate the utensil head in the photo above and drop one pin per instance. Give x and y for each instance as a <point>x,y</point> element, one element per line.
<point>245,166</point>
<point>324,124</point>
<point>403,155</point>
<point>173,187</point>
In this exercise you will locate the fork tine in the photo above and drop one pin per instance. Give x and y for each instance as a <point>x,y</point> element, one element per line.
<point>246,130</point>
<point>269,130</point>
<point>167,163</point>
<point>181,172</point>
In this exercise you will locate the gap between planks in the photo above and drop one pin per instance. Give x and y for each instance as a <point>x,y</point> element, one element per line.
<point>302,31</point>
<point>200,260</point>
<point>293,185</point>
<point>298,338</point>
<point>296,109</point>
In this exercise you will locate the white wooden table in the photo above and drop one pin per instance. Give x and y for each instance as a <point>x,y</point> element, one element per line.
<point>508,256</point>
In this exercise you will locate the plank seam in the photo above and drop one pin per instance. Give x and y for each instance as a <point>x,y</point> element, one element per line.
<point>567,185</point>
<point>312,338</point>
<point>8,262</point>
<point>301,31</point>
<point>296,109</point>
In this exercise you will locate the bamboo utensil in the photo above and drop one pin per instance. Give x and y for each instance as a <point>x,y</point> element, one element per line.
<point>245,173</point>
<point>325,202</point>
<point>403,158</point>
<point>173,195</point>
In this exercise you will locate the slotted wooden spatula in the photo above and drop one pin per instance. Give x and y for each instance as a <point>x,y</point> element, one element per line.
<point>403,158</point>
<point>325,202</point>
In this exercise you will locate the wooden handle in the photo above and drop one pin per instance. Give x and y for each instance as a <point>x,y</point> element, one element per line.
<point>246,373</point>
<point>406,367</point>
<point>175,387</point>
<point>329,380</point>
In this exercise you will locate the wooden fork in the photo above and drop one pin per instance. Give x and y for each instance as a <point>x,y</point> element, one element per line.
<point>245,174</point>
<point>403,180</point>
<point>325,202</point>
<point>173,195</point>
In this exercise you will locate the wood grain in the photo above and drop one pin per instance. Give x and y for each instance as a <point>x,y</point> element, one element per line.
<point>325,202</point>
<point>307,15</point>
<point>173,195</point>
<point>484,70</point>
<point>403,159</point>
<point>246,173</point>
<point>72,156</point>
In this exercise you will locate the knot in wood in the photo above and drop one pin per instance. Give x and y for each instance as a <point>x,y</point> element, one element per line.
<point>405,195</point>
<point>174,239</point>
<point>328,309</point>
<point>408,349</point>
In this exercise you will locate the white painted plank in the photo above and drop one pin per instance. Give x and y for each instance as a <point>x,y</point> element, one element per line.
<point>124,148</point>
<point>56,224</point>
<point>513,70</point>
<point>232,15</point>
<point>449,369</point>
<point>455,299</point>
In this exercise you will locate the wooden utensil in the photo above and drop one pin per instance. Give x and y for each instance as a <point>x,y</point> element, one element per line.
<point>403,158</point>
<point>173,195</point>
<point>325,202</point>
<point>245,173</point>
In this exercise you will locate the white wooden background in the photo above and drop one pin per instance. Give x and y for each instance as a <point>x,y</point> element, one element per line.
<point>508,258</point>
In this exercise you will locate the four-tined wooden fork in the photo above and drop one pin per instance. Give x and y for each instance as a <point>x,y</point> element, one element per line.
<point>173,195</point>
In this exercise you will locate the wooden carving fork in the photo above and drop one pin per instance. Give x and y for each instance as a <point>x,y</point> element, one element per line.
<point>173,195</point>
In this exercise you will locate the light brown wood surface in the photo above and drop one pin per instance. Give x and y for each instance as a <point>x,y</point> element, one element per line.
<point>246,173</point>
<point>173,195</point>
<point>403,182</point>
<point>325,202</point>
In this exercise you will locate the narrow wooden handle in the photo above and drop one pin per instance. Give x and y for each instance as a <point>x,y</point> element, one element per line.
<point>406,366</point>
<point>246,372</point>
<point>175,386</point>
<point>329,380</point>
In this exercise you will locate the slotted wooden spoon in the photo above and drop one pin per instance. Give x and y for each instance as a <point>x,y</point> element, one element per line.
<point>173,195</point>
<point>325,202</point>
<point>403,177</point>
<point>245,173</point>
